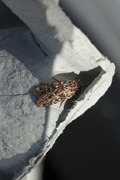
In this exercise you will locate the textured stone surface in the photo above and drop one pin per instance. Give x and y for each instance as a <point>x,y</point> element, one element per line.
<point>27,132</point>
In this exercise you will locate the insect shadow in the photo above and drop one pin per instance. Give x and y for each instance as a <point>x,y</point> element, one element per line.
<point>32,95</point>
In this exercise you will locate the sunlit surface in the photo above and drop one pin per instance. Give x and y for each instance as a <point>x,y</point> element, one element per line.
<point>89,148</point>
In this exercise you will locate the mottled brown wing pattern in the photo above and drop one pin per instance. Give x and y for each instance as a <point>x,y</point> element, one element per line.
<point>57,92</point>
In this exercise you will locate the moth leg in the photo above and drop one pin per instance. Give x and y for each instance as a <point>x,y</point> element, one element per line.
<point>38,103</point>
<point>61,103</point>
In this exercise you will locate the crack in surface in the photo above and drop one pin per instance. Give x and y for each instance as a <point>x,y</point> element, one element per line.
<point>14,94</point>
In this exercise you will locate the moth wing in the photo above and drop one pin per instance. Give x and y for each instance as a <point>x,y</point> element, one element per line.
<point>40,90</point>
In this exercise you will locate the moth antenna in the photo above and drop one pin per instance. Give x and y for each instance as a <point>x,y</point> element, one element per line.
<point>56,79</point>
<point>42,83</point>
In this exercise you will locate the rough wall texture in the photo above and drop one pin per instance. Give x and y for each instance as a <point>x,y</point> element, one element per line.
<point>27,132</point>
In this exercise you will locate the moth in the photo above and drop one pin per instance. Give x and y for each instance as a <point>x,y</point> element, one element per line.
<point>60,91</point>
